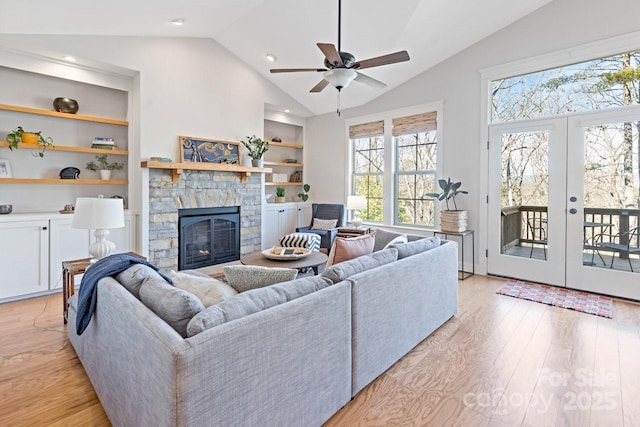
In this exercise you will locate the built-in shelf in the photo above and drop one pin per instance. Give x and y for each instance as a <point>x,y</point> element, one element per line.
<point>63,115</point>
<point>63,181</point>
<point>67,148</point>
<point>293,165</point>
<point>285,144</point>
<point>178,168</point>
<point>283,184</point>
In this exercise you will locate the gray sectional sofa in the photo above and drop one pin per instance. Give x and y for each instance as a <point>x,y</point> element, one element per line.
<point>300,353</point>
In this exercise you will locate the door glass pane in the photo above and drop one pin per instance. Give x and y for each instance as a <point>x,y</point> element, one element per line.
<point>524,194</point>
<point>611,196</point>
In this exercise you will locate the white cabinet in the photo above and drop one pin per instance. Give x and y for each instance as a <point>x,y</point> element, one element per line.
<point>24,257</point>
<point>304,214</point>
<point>35,245</point>
<point>278,220</point>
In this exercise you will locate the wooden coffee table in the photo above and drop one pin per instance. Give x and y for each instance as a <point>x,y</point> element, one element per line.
<point>313,261</point>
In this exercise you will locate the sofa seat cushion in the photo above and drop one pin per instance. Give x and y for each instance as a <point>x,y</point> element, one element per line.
<point>415,247</point>
<point>253,301</point>
<point>132,277</point>
<point>173,305</point>
<point>245,277</point>
<point>209,291</point>
<point>344,249</point>
<point>339,272</point>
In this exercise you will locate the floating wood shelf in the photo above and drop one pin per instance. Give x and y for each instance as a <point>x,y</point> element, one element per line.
<point>63,115</point>
<point>283,184</point>
<point>293,165</point>
<point>285,144</point>
<point>178,168</point>
<point>68,148</point>
<point>63,181</point>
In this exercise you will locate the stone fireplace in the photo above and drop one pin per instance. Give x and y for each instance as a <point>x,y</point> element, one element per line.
<point>196,190</point>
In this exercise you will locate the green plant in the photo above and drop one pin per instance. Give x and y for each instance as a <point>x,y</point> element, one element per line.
<point>15,136</point>
<point>280,191</point>
<point>101,164</point>
<point>256,146</point>
<point>449,192</point>
<point>303,194</point>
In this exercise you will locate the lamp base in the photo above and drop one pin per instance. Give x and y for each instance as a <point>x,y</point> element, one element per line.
<point>102,247</point>
<point>356,220</point>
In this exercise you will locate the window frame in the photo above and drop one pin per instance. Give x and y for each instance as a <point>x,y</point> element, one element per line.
<point>389,182</point>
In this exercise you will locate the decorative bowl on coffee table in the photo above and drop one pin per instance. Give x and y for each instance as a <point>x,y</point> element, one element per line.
<point>280,253</point>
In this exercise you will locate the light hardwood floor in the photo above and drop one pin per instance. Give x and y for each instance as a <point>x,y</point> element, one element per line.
<point>500,361</point>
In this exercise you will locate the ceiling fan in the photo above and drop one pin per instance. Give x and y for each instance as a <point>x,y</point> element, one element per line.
<point>341,68</point>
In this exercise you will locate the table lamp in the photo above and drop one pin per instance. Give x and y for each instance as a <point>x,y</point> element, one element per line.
<point>356,203</point>
<point>102,215</point>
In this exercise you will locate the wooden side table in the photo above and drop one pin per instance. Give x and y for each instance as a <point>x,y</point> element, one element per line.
<point>352,232</point>
<point>70,269</point>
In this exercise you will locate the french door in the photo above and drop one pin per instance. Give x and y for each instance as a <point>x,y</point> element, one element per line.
<point>561,191</point>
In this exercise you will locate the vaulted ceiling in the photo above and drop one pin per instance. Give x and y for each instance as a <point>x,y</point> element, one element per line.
<point>430,30</point>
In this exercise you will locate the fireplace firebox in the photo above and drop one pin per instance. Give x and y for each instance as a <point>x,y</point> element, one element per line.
<point>208,236</point>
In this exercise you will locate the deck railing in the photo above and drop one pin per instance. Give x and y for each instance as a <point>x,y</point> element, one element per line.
<point>515,230</point>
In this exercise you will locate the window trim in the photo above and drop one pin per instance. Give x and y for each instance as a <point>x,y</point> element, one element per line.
<point>389,192</point>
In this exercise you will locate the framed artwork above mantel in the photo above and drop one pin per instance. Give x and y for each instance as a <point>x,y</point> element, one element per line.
<point>202,150</point>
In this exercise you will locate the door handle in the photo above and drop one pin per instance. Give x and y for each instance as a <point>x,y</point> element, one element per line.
<point>573,211</point>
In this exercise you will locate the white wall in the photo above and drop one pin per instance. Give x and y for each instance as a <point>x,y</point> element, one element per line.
<point>456,82</point>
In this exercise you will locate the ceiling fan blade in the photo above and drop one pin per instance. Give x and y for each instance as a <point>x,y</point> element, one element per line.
<point>391,58</point>
<point>369,81</point>
<point>296,70</point>
<point>318,88</point>
<point>331,53</point>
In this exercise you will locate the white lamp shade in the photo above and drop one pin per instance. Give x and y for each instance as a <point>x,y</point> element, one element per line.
<point>340,77</point>
<point>356,202</point>
<point>98,213</point>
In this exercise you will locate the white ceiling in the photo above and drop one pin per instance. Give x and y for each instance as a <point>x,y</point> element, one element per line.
<point>430,30</point>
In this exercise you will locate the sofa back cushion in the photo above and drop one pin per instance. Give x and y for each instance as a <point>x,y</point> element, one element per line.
<point>415,247</point>
<point>384,237</point>
<point>173,305</point>
<point>339,272</point>
<point>253,301</point>
<point>209,291</point>
<point>132,277</point>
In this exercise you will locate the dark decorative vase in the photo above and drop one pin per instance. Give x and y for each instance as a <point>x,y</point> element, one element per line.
<point>65,105</point>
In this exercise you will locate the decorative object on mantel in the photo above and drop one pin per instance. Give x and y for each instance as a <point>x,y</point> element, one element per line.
<point>208,150</point>
<point>5,168</point>
<point>257,147</point>
<point>161,159</point>
<point>280,195</point>
<point>20,135</point>
<point>65,105</point>
<point>303,195</point>
<point>453,221</point>
<point>102,165</point>
<point>69,173</point>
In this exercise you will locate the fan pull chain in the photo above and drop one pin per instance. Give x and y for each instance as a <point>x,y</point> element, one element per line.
<point>338,110</point>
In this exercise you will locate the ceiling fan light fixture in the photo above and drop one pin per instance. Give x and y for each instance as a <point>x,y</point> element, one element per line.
<point>177,22</point>
<point>340,77</point>
<point>270,57</point>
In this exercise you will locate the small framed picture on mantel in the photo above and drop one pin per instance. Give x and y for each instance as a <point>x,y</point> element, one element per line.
<point>5,168</point>
<point>203,150</point>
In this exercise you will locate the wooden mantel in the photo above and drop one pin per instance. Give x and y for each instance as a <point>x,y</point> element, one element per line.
<point>178,168</point>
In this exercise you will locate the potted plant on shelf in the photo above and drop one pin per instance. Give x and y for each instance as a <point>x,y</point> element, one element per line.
<point>452,221</point>
<point>303,195</point>
<point>257,148</point>
<point>101,164</point>
<point>280,198</point>
<point>20,135</point>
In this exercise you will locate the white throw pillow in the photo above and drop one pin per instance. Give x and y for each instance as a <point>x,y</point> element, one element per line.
<point>399,239</point>
<point>324,224</point>
<point>208,290</point>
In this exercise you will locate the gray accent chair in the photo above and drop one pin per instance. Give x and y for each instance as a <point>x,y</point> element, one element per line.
<point>326,211</point>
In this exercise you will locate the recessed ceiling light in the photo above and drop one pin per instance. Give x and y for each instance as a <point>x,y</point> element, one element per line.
<point>287,111</point>
<point>69,58</point>
<point>177,21</point>
<point>270,57</point>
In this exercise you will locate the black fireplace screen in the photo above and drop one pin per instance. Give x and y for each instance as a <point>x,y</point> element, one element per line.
<point>208,236</point>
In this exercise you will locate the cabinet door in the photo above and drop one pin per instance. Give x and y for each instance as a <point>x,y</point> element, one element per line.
<point>271,227</point>
<point>66,244</point>
<point>24,257</point>
<point>288,220</point>
<point>124,238</point>
<point>304,215</point>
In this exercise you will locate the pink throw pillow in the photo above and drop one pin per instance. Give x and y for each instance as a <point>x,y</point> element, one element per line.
<point>344,249</point>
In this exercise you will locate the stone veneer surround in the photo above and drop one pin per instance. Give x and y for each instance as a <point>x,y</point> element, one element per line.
<point>199,189</point>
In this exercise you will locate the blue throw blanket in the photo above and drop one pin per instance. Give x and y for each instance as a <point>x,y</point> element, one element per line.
<point>88,294</point>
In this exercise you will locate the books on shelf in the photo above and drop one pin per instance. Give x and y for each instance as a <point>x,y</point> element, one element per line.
<point>103,143</point>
